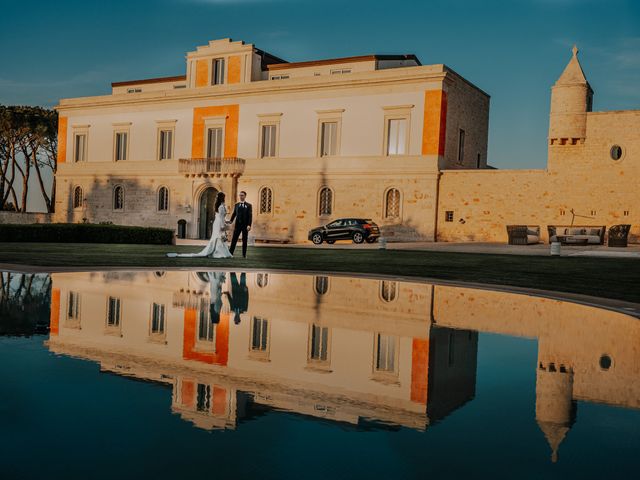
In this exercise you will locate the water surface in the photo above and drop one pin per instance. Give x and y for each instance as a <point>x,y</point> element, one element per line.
<point>240,375</point>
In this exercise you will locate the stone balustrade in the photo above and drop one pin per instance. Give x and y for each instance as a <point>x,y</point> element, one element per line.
<point>211,167</point>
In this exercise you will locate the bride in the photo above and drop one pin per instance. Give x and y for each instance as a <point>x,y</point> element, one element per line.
<point>216,248</point>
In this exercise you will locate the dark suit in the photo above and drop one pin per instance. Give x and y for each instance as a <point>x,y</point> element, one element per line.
<point>239,296</point>
<point>243,215</point>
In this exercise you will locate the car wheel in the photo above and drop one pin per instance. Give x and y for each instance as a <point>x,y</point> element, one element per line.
<point>331,242</point>
<point>316,238</point>
<point>358,237</point>
<point>372,239</point>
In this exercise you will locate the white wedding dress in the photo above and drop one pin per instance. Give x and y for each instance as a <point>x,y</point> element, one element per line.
<point>216,248</point>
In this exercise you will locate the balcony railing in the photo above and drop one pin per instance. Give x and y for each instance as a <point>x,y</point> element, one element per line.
<point>211,167</point>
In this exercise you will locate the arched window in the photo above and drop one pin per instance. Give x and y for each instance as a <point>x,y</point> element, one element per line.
<point>118,197</point>
<point>392,203</point>
<point>266,200</point>
<point>325,206</point>
<point>163,199</point>
<point>262,279</point>
<point>78,197</point>
<point>388,290</point>
<point>321,285</point>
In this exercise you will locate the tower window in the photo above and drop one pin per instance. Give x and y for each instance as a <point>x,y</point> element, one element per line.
<point>616,152</point>
<point>448,216</point>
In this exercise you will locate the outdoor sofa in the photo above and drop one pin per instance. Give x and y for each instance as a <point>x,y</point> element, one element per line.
<point>523,234</point>
<point>618,235</point>
<point>576,234</point>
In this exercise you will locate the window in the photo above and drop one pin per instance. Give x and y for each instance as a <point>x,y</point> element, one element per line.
<point>206,328</point>
<point>118,197</point>
<point>165,147</point>
<point>73,306</point>
<point>319,343</point>
<point>259,334</point>
<point>214,144</point>
<point>478,161</point>
<point>605,362</point>
<point>461,147</point>
<point>80,147</point>
<point>339,71</point>
<point>266,199</point>
<point>279,77</point>
<point>78,197</point>
<point>397,136</point>
<point>388,290</point>
<point>385,353</point>
<point>113,312</point>
<point>121,146</point>
<point>392,204</point>
<point>321,285</point>
<point>262,279</point>
<point>325,202</point>
<point>217,72</point>
<point>616,152</point>
<point>134,90</point>
<point>268,143</point>
<point>448,216</point>
<point>328,138</point>
<point>157,319</point>
<point>163,199</point>
<point>203,398</point>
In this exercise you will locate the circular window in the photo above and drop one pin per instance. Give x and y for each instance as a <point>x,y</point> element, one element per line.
<point>159,274</point>
<point>616,152</point>
<point>605,362</point>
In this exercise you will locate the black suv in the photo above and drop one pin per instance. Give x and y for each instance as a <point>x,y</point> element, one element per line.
<point>356,229</point>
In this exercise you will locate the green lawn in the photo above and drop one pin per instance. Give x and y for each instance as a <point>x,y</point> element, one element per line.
<point>615,278</point>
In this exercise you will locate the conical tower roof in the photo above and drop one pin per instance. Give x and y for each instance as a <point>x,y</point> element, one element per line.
<point>555,433</point>
<point>572,73</point>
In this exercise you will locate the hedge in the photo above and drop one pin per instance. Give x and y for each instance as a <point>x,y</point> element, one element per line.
<point>84,233</point>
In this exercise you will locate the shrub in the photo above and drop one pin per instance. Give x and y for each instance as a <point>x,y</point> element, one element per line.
<point>84,233</point>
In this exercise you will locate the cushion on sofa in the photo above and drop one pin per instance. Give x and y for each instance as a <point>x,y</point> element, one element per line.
<point>594,231</point>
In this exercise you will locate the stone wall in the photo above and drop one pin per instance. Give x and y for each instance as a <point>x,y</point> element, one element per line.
<point>25,218</point>
<point>582,178</point>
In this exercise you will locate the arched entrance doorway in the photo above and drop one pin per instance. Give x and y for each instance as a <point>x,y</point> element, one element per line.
<point>207,212</point>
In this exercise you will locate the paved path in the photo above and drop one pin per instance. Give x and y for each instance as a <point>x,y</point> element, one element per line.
<point>632,251</point>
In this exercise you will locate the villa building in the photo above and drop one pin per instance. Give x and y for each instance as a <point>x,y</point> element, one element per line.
<point>377,136</point>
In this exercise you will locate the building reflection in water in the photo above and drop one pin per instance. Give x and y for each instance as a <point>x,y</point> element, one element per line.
<point>359,351</point>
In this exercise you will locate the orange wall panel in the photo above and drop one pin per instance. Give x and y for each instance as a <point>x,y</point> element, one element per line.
<point>419,370</point>
<point>202,73</point>
<point>233,71</point>
<point>189,352</point>
<point>219,406</point>
<point>62,139</point>
<point>434,127</point>
<point>188,393</point>
<point>54,316</point>
<point>232,117</point>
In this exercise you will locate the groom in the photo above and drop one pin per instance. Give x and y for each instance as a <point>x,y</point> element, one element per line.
<point>243,215</point>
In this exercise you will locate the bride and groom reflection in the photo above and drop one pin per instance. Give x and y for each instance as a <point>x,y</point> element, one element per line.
<point>237,295</point>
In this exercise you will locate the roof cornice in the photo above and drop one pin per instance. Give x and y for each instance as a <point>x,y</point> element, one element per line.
<point>398,76</point>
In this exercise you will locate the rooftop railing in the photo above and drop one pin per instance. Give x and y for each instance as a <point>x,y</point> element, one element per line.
<point>211,167</point>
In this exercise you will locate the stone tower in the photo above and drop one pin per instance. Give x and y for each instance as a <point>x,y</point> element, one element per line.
<point>571,99</point>
<point>555,411</point>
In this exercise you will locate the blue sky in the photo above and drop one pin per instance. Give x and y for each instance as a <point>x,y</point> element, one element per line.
<point>514,50</point>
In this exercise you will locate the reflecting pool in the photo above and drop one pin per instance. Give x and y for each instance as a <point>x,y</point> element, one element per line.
<point>265,375</point>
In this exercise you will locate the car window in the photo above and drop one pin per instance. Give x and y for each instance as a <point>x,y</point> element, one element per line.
<point>352,222</point>
<point>337,223</point>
